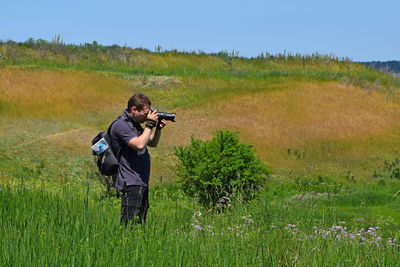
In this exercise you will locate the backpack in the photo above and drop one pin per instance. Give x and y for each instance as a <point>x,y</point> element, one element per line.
<point>107,160</point>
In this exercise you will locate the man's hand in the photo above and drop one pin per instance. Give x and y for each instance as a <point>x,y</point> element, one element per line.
<point>161,124</point>
<point>153,115</point>
<point>151,119</point>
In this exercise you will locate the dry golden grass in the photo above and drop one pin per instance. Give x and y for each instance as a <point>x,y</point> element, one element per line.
<point>298,112</point>
<point>50,94</point>
<point>311,111</point>
<point>332,124</point>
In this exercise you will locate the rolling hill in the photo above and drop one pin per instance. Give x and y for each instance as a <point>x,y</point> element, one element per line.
<point>304,114</point>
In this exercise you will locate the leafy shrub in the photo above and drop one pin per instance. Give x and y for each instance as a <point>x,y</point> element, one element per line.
<point>214,169</point>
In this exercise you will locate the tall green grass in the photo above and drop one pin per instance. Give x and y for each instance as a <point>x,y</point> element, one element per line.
<point>77,227</point>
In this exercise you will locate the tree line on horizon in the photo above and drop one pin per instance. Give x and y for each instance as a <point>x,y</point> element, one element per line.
<point>58,52</point>
<point>392,66</point>
<point>57,45</point>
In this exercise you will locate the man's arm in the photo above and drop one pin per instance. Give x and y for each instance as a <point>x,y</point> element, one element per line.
<point>155,136</point>
<point>139,142</point>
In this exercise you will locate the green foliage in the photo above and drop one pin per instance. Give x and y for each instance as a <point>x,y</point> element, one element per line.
<point>107,182</point>
<point>213,170</point>
<point>75,226</point>
<point>319,184</point>
<point>390,170</point>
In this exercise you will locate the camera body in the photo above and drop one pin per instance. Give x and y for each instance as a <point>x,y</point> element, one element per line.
<point>165,115</point>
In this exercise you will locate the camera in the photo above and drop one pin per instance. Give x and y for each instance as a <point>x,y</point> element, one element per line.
<point>165,115</point>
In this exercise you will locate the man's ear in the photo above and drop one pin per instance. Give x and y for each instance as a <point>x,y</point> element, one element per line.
<point>133,109</point>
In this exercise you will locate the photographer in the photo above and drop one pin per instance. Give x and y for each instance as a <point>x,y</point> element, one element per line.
<point>130,141</point>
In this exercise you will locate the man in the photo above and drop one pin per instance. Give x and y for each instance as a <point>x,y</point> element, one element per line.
<point>130,140</point>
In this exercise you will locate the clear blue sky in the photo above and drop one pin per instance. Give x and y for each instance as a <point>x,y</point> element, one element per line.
<point>362,30</point>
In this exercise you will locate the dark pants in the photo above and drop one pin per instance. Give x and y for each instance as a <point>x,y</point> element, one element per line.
<point>134,204</point>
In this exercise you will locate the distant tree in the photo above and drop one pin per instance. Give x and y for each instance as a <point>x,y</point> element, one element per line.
<point>392,66</point>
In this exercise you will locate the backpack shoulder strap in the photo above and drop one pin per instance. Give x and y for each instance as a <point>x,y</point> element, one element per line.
<point>124,118</point>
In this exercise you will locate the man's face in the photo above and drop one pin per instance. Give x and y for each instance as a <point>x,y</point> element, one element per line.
<point>140,115</point>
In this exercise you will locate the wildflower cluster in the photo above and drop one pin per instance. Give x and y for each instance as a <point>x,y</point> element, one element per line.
<point>196,224</point>
<point>237,229</point>
<point>340,232</point>
<point>393,242</point>
<point>363,236</point>
<point>248,219</point>
<point>291,228</point>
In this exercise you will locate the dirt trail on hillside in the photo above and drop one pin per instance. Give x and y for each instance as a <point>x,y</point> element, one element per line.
<point>79,136</point>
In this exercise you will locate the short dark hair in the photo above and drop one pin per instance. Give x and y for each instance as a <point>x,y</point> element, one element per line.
<point>138,100</point>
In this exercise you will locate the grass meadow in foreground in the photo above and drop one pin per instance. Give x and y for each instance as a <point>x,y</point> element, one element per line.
<point>76,226</point>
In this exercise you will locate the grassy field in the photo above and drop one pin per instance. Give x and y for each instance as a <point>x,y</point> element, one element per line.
<point>328,128</point>
<point>75,226</point>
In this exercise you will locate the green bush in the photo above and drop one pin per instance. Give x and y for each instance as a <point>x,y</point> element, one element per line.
<point>213,170</point>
